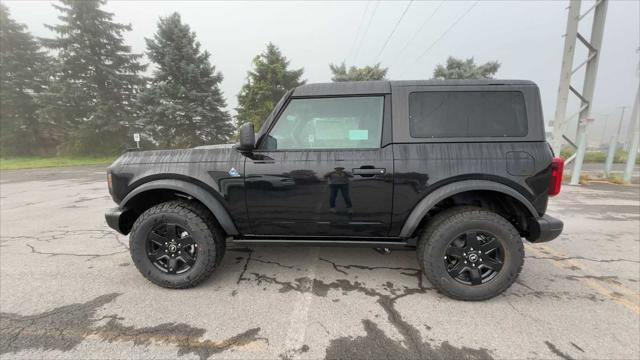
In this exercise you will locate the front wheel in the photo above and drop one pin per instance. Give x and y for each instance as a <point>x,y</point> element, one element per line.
<point>471,254</point>
<point>176,244</point>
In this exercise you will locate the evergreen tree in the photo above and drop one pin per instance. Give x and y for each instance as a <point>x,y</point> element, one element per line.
<point>266,84</point>
<point>341,73</point>
<point>465,69</point>
<point>183,105</point>
<point>96,78</point>
<point>22,79</point>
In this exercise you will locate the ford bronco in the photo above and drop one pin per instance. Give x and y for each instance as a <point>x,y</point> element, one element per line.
<point>458,171</point>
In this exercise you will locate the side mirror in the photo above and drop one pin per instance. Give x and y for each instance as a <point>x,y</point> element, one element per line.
<point>247,137</point>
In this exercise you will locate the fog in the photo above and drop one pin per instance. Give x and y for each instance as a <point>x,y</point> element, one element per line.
<point>525,36</point>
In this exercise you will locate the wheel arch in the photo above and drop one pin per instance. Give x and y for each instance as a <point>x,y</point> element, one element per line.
<point>483,190</point>
<point>157,191</point>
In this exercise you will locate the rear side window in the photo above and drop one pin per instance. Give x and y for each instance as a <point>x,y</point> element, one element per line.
<point>451,114</point>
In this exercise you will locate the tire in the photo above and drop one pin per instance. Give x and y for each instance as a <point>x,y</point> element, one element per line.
<point>202,231</point>
<point>444,235</point>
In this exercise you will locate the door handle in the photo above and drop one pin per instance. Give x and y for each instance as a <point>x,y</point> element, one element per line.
<point>369,171</point>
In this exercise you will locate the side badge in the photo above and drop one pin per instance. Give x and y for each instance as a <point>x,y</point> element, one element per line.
<point>233,172</point>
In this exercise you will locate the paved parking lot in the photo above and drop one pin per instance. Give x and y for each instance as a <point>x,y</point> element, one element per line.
<point>68,289</point>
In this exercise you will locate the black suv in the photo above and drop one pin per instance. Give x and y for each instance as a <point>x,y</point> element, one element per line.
<point>458,170</point>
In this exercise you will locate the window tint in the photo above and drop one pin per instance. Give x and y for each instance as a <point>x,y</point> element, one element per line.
<point>467,114</point>
<point>328,123</point>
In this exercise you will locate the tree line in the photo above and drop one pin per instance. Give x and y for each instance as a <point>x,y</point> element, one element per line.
<point>83,91</point>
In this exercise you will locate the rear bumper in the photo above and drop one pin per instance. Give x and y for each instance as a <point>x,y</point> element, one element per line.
<point>115,221</point>
<point>545,228</point>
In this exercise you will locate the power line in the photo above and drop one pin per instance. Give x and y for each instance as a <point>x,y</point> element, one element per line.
<point>413,37</point>
<point>441,36</point>
<point>355,39</point>
<point>366,29</point>
<point>393,31</point>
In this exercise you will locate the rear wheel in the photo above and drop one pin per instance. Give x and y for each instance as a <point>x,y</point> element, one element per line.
<point>470,253</point>
<point>176,244</point>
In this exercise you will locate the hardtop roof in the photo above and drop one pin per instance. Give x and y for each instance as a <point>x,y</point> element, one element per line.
<point>384,86</point>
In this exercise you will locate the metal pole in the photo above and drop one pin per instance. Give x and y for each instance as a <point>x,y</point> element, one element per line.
<point>631,159</point>
<point>582,147</point>
<point>589,85</point>
<point>633,148</point>
<point>571,32</point>
<point>631,123</point>
<point>610,155</point>
<point>604,131</point>
<point>620,124</point>
<point>613,146</point>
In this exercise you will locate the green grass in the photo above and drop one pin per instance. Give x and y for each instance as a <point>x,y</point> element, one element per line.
<point>43,162</point>
<point>598,156</point>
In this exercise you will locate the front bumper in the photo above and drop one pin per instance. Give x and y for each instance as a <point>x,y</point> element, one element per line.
<point>545,228</point>
<point>117,219</point>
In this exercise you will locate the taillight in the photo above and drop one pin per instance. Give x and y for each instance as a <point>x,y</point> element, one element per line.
<point>555,182</point>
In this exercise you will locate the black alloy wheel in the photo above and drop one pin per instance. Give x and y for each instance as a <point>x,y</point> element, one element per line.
<point>171,249</point>
<point>474,257</point>
<point>176,244</point>
<point>470,253</point>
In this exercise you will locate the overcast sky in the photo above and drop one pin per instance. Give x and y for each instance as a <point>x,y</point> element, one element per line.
<point>525,36</point>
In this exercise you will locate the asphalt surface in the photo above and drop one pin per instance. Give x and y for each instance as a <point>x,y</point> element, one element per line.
<point>68,289</point>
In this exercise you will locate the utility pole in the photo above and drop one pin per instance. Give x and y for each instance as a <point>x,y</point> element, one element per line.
<point>635,132</point>
<point>570,36</point>
<point>613,145</point>
<point>604,131</point>
<point>632,126</point>
<point>594,46</point>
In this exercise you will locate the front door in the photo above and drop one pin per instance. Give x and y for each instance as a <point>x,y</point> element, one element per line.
<point>321,171</point>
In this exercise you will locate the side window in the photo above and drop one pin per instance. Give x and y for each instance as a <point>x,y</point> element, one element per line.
<point>328,123</point>
<point>443,114</point>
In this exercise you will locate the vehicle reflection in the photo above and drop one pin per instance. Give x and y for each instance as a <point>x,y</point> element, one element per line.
<point>339,182</point>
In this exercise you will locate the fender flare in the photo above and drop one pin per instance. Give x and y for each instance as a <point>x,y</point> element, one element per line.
<point>429,201</point>
<point>197,192</point>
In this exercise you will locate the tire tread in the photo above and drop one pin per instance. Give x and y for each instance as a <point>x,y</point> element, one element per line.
<point>197,218</point>
<point>456,215</point>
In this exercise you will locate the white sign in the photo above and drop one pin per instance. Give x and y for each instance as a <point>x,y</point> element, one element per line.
<point>136,137</point>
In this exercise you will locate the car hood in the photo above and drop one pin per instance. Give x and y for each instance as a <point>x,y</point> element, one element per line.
<point>208,153</point>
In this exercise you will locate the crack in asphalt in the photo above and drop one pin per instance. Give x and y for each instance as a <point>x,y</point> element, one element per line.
<point>56,235</point>
<point>416,272</point>
<point>291,354</point>
<point>562,258</point>
<point>556,351</point>
<point>375,344</point>
<point>244,268</point>
<point>557,295</point>
<point>65,327</point>
<point>275,263</point>
<point>337,267</point>
<point>184,336</point>
<point>607,279</point>
<point>576,346</point>
<point>48,236</point>
<point>89,256</point>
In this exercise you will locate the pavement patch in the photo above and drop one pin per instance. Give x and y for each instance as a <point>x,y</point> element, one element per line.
<point>65,327</point>
<point>377,345</point>
<point>62,328</point>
